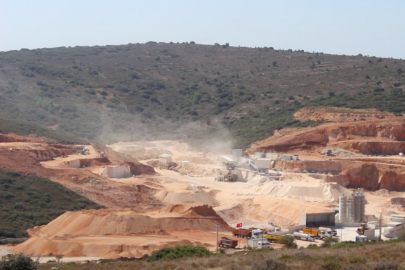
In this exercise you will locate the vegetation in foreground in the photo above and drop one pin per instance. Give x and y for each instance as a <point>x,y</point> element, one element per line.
<point>389,255</point>
<point>28,201</point>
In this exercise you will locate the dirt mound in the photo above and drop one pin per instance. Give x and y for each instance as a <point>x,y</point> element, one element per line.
<point>138,168</point>
<point>183,197</point>
<point>398,200</point>
<point>193,211</point>
<point>112,232</point>
<point>315,192</point>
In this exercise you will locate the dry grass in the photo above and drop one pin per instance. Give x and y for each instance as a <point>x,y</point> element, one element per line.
<point>373,256</point>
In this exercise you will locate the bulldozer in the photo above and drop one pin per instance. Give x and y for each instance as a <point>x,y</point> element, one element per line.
<point>363,227</point>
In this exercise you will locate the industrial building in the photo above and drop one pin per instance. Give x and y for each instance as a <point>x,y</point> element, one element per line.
<point>318,219</point>
<point>273,156</point>
<point>352,207</point>
<point>116,171</point>
<point>165,159</point>
<point>236,154</point>
<point>289,157</point>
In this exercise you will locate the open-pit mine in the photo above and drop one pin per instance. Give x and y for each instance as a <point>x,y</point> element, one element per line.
<point>163,193</point>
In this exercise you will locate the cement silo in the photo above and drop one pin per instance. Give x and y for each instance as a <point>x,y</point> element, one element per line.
<point>350,208</point>
<point>359,206</point>
<point>342,208</point>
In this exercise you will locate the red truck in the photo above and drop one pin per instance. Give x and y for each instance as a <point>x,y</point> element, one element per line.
<point>227,243</point>
<point>242,233</point>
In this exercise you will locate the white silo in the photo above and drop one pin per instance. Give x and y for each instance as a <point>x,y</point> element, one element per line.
<point>360,204</point>
<point>350,208</point>
<point>342,208</point>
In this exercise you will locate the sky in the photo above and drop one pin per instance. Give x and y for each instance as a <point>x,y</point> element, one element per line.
<point>374,28</point>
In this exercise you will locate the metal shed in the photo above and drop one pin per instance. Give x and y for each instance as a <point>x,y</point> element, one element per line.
<point>318,219</point>
<point>165,159</point>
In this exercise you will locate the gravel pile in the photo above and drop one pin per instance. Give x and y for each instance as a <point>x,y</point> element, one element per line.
<point>338,152</point>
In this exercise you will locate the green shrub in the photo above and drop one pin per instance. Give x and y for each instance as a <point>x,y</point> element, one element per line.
<point>18,262</point>
<point>179,252</point>
<point>270,265</point>
<point>288,242</point>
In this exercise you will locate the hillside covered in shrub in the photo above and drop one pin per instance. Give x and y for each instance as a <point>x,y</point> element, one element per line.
<point>28,201</point>
<point>186,91</point>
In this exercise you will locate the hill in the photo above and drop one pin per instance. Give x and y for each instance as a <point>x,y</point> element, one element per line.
<point>186,91</point>
<point>28,201</point>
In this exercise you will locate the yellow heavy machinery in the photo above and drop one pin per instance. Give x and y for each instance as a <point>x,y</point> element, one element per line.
<point>362,228</point>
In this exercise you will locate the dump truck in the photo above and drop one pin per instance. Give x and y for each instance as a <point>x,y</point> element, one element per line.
<point>304,236</point>
<point>318,233</point>
<point>362,228</point>
<point>242,233</point>
<point>273,237</point>
<point>227,243</point>
<point>259,243</point>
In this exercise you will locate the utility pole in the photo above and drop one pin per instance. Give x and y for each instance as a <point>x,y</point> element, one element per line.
<point>217,237</point>
<point>380,224</point>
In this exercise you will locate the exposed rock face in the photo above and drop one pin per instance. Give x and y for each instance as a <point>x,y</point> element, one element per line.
<point>364,137</point>
<point>374,148</point>
<point>138,168</point>
<point>370,177</point>
<point>325,166</point>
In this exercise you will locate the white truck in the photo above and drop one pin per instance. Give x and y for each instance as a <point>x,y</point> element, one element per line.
<point>258,243</point>
<point>304,236</point>
<point>257,233</point>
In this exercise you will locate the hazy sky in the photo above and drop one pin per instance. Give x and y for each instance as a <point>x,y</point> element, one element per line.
<point>371,27</point>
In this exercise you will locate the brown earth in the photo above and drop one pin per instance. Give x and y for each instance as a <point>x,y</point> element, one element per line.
<point>65,235</point>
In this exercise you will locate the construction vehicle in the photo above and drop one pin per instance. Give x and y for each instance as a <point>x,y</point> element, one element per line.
<point>227,176</point>
<point>273,237</point>
<point>242,233</point>
<point>258,243</point>
<point>320,234</point>
<point>85,151</point>
<point>304,236</point>
<point>257,230</point>
<point>227,243</point>
<point>332,231</point>
<point>363,227</point>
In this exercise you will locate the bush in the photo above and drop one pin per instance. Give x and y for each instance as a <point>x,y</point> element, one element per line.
<point>18,262</point>
<point>328,241</point>
<point>179,252</point>
<point>288,242</point>
<point>331,263</point>
<point>270,265</point>
<point>387,266</point>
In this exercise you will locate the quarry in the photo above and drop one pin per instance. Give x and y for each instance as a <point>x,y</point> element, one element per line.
<point>165,193</point>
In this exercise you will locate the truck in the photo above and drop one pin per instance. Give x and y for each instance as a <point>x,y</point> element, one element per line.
<point>273,237</point>
<point>304,236</point>
<point>258,243</point>
<point>318,233</point>
<point>326,229</point>
<point>242,233</point>
<point>227,243</point>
